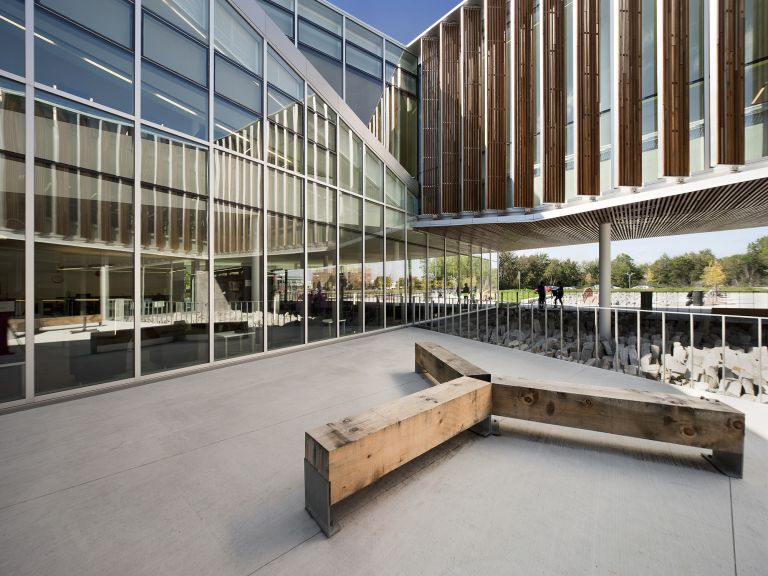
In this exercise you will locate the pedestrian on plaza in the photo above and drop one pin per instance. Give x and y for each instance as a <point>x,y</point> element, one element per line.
<point>542,296</point>
<point>559,294</point>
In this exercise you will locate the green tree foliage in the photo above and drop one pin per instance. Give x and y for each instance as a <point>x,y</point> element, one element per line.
<point>713,275</point>
<point>621,267</point>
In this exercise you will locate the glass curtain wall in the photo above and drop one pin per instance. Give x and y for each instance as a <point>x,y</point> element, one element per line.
<point>321,140</point>
<point>650,146</point>
<point>756,79</point>
<point>570,174</point>
<point>417,275</point>
<point>364,87</point>
<point>696,38</point>
<point>538,177</point>
<point>84,181</point>
<point>402,106</point>
<point>436,276</point>
<point>322,297</point>
<point>374,279</point>
<point>452,276</point>
<point>320,36</point>
<point>281,12</point>
<point>12,36</point>
<point>285,94</point>
<point>395,277</point>
<point>174,252</point>
<point>238,306</point>
<point>12,184</point>
<point>606,136</point>
<point>350,264</point>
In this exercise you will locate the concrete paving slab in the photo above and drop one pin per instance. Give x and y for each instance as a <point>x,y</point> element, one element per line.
<point>203,475</point>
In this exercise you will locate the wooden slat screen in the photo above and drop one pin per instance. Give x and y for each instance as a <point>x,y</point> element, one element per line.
<point>496,86</point>
<point>553,31</point>
<point>472,111</point>
<point>525,112</point>
<point>430,90</point>
<point>675,74</point>
<point>588,86</point>
<point>630,84</point>
<point>450,117</point>
<point>730,110</point>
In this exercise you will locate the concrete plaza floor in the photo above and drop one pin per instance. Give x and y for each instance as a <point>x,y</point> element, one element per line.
<point>203,474</point>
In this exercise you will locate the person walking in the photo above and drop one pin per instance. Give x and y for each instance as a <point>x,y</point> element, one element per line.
<point>559,293</point>
<point>542,296</point>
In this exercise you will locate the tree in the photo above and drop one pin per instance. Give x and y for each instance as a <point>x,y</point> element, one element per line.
<point>713,275</point>
<point>621,268</point>
<point>591,270</point>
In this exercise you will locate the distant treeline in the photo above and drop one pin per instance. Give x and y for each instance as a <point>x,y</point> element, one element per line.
<point>690,269</point>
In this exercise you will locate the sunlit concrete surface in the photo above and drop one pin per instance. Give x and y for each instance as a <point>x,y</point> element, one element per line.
<point>203,475</point>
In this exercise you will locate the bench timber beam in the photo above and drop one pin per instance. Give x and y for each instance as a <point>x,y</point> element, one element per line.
<point>345,456</point>
<point>672,418</point>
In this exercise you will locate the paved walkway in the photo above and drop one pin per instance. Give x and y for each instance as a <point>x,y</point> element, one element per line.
<point>203,475</point>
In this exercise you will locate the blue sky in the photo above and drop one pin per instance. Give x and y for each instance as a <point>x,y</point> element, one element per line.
<point>404,19</point>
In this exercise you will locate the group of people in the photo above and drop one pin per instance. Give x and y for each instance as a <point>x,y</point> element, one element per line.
<point>556,292</point>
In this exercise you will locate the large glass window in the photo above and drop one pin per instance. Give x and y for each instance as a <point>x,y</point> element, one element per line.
<point>321,144</point>
<point>174,190</point>
<point>12,308</point>
<point>374,266</point>
<point>83,174</point>
<point>174,242</point>
<point>394,277</point>
<point>285,93</point>
<point>364,38</point>
<point>321,258</point>
<point>350,264</point>
<point>237,300</point>
<point>606,78</point>
<point>417,275</point>
<point>169,100</point>
<point>281,13</point>
<point>323,50</point>
<point>436,276</point>
<point>364,85</point>
<point>109,18</point>
<point>350,160</point>
<point>69,57</point>
<point>395,191</point>
<point>321,15</point>
<point>235,39</point>
<point>285,260</point>
<point>175,51</point>
<point>191,16</point>
<point>696,39</point>
<point>12,36</point>
<point>756,79</point>
<point>649,93</point>
<point>402,118</point>
<point>374,176</point>
<point>570,178</point>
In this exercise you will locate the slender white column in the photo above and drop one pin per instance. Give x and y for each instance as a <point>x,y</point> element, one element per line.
<point>605,278</point>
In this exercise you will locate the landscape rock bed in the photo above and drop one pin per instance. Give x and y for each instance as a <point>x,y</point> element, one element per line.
<point>677,352</point>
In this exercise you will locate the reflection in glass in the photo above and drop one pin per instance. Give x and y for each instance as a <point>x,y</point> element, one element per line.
<point>285,260</point>
<point>174,190</point>
<point>171,101</point>
<point>84,316</point>
<point>364,38</point>
<point>286,115</point>
<point>321,257</point>
<point>189,15</point>
<point>237,108</point>
<point>320,15</point>
<point>363,93</point>
<point>174,314</point>
<point>12,36</point>
<point>756,79</point>
<point>235,39</point>
<point>436,275</point>
<point>417,275</point>
<point>174,51</point>
<point>374,177</point>
<point>394,277</point>
<point>350,264</point>
<point>350,160</point>
<point>321,145</point>
<point>238,304</point>
<point>283,17</point>
<point>374,267</point>
<point>83,174</point>
<point>696,40</point>
<point>71,59</point>
<point>606,178</point>
<point>402,119</point>
<point>12,142</point>
<point>395,190</point>
<point>649,105</point>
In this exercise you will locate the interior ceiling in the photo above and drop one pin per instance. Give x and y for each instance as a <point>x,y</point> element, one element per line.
<point>727,207</point>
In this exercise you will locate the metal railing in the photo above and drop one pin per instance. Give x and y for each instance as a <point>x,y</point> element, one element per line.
<point>707,352</point>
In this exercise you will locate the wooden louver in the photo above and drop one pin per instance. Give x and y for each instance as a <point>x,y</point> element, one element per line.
<point>497,118</point>
<point>524,104</point>
<point>629,84</point>
<point>675,76</point>
<point>554,101</point>
<point>472,108</point>
<point>450,117</point>
<point>588,86</point>
<point>430,91</point>
<point>730,109</point>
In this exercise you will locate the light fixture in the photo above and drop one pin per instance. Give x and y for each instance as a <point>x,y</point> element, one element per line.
<point>44,39</point>
<point>757,96</point>
<point>176,104</point>
<point>13,23</point>
<point>108,70</point>
<point>180,15</point>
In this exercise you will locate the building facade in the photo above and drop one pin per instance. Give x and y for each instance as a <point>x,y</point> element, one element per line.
<point>186,183</point>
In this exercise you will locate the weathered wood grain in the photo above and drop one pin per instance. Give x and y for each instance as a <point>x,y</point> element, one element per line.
<point>651,415</point>
<point>443,365</point>
<point>357,451</point>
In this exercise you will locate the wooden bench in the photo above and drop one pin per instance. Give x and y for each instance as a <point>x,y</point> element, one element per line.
<point>673,418</point>
<point>439,365</point>
<point>343,457</point>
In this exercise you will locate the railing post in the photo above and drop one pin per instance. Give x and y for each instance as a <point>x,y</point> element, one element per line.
<point>546,335</point>
<point>561,330</point>
<point>578,335</point>
<point>690,354</point>
<point>531,327</point>
<point>664,346</point>
<point>597,334</point>
<point>638,340</point>
<point>722,342</point>
<point>760,359</point>
<point>616,339</point>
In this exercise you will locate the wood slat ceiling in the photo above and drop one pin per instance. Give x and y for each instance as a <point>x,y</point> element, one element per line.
<point>728,207</point>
